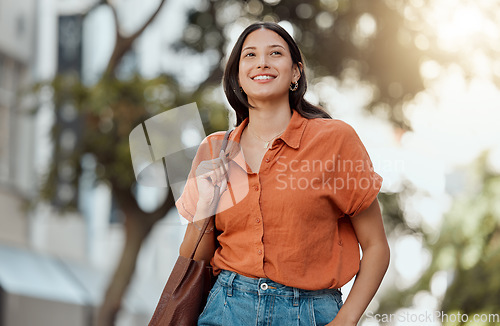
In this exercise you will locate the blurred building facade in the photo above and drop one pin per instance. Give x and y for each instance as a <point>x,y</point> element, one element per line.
<point>54,269</point>
<point>17,57</point>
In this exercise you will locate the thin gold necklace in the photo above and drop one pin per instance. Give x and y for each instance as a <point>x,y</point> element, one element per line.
<point>266,142</point>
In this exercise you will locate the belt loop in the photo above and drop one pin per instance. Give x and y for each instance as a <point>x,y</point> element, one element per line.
<point>230,284</point>
<point>295,297</point>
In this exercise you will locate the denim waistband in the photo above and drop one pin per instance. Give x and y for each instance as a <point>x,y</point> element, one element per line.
<point>264,286</point>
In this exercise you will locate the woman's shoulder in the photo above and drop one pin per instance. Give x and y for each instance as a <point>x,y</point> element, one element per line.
<point>331,127</point>
<point>214,137</point>
<point>211,144</point>
<point>218,135</point>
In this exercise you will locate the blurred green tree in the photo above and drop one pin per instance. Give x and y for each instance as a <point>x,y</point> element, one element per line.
<point>465,254</point>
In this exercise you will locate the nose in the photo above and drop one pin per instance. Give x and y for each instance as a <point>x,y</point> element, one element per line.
<point>262,62</point>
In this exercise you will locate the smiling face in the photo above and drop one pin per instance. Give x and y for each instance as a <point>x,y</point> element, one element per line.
<point>266,68</point>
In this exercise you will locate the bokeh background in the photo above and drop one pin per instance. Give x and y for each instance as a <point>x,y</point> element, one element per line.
<point>82,244</point>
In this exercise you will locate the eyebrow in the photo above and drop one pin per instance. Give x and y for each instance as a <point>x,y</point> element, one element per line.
<point>270,46</point>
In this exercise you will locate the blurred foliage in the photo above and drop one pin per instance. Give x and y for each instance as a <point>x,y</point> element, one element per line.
<point>394,219</point>
<point>467,251</point>
<point>470,246</point>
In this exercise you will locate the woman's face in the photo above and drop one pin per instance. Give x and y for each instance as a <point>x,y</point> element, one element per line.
<point>266,68</point>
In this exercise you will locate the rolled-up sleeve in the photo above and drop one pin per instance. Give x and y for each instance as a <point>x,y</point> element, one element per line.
<point>356,182</point>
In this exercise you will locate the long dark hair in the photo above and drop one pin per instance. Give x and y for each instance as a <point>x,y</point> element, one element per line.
<point>239,100</point>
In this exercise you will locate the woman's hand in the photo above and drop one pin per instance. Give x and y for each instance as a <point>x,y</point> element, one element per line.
<point>338,322</point>
<point>334,323</point>
<point>211,179</point>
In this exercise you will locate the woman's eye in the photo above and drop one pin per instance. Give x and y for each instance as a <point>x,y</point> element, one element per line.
<point>276,53</point>
<point>250,54</point>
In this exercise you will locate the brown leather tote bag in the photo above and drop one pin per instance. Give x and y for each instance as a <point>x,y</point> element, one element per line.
<point>187,288</point>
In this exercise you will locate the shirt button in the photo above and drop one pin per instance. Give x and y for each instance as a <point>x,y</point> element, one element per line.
<point>267,160</point>
<point>256,188</point>
<point>257,220</point>
<point>259,252</point>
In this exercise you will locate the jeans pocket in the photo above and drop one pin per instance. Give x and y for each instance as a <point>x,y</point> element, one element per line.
<point>338,298</point>
<point>211,297</point>
<point>325,308</point>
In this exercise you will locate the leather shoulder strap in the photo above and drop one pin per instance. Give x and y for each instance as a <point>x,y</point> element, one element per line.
<point>205,225</point>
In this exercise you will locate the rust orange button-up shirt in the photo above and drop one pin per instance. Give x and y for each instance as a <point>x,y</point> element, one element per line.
<point>291,221</point>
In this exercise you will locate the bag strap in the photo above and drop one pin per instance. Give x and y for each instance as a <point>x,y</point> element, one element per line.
<point>207,221</point>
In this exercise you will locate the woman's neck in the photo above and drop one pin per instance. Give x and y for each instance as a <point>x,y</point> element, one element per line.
<point>269,119</point>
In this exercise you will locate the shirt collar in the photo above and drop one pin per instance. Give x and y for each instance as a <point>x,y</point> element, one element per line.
<point>292,135</point>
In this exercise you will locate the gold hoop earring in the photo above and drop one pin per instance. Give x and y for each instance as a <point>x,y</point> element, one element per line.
<point>293,86</point>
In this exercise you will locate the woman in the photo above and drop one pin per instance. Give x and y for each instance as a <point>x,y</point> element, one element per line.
<point>299,203</point>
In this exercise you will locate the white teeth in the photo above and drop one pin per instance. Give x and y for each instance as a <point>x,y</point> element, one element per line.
<point>262,77</point>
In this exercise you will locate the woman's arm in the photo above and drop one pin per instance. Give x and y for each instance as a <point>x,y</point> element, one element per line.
<point>211,180</point>
<point>371,236</point>
<point>206,248</point>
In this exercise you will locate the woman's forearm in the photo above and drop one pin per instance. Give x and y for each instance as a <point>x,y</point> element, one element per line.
<point>371,272</point>
<point>206,248</point>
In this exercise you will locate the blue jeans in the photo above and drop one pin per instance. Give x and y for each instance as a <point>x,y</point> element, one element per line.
<point>238,300</point>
